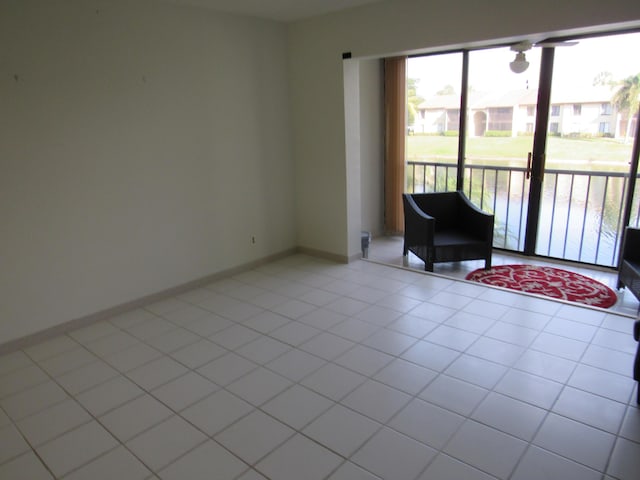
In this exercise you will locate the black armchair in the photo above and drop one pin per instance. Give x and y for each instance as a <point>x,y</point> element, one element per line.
<point>446,227</point>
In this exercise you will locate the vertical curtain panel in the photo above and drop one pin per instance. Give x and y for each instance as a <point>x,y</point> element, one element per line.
<point>395,100</point>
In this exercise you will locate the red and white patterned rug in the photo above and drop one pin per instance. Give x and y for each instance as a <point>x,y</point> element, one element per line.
<point>548,281</point>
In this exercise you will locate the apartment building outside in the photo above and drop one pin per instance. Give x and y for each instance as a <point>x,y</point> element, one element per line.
<point>579,113</point>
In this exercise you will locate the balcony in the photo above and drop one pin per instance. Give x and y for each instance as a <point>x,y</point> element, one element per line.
<point>581,210</point>
<point>581,235</point>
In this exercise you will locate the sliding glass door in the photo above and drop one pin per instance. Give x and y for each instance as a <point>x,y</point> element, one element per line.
<point>588,148</point>
<point>433,111</point>
<point>547,150</point>
<point>501,113</point>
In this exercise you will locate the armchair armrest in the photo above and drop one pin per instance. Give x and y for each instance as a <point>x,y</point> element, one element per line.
<point>476,222</point>
<point>418,226</point>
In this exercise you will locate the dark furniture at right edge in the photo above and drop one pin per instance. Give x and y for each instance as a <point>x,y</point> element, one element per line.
<point>629,276</point>
<point>629,270</point>
<point>636,365</point>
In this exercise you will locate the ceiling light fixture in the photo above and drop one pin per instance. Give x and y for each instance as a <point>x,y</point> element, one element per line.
<point>520,63</point>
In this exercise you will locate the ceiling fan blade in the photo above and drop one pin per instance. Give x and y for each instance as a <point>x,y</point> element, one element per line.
<point>568,43</point>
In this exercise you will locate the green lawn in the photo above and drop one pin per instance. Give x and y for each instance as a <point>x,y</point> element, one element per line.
<point>563,153</point>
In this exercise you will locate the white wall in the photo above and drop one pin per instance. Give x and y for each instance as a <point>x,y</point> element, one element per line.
<point>351,75</point>
<point>387,28</point>
<point>141,146</point>
<point>372,145</point>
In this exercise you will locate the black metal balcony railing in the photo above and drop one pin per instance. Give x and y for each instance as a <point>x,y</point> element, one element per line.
<point>581,211</point>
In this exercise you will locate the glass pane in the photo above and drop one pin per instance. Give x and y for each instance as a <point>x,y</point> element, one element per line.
<point>433,109</point>
<point>501,122</point>
<point>594,102</point>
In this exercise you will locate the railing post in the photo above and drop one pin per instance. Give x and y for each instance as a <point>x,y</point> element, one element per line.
<point>553,179</point>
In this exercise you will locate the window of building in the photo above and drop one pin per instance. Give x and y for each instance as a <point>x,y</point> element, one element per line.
<point>500,118</point>
<point>453,119</point>
<point>604,128</point>
<point>605,109</point>
<point>577,109</point>
<point>555,110</point>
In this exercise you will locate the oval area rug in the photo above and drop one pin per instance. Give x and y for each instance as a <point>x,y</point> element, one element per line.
<point>548,281</point>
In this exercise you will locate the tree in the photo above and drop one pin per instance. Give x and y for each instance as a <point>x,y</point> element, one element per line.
<point>603,79</point>
<point>413,99</point>
<point>626,98</point>
<point>446,90</point>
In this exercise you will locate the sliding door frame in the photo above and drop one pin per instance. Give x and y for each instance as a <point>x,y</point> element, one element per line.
<point>462,129</point>
<point>538,154</point>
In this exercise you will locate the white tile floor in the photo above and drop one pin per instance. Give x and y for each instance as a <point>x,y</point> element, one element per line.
<point>304,369</point>
<point>388,250</point>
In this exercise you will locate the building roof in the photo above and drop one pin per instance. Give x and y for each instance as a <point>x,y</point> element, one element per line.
<point>438,102</point>
<point>601,94</point>
<point>506,99</point>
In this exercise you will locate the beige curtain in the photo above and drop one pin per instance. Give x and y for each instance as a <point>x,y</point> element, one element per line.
<point>395,128</point>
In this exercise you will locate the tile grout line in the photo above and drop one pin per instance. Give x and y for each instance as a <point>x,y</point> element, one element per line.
<point>369,377</point>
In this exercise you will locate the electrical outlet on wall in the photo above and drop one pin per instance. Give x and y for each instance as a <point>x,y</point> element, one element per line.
<point>253,240</point>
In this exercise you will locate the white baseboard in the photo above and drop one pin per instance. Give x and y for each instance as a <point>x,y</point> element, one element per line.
<point>90,319</point>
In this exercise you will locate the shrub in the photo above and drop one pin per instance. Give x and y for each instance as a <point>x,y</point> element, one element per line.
<point>578,135</point>
<point>497,133</point>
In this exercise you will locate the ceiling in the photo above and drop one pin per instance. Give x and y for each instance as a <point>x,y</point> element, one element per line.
<point>281,10</point>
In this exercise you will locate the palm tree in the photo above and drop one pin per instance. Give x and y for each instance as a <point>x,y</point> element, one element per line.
<point>627,97</point>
